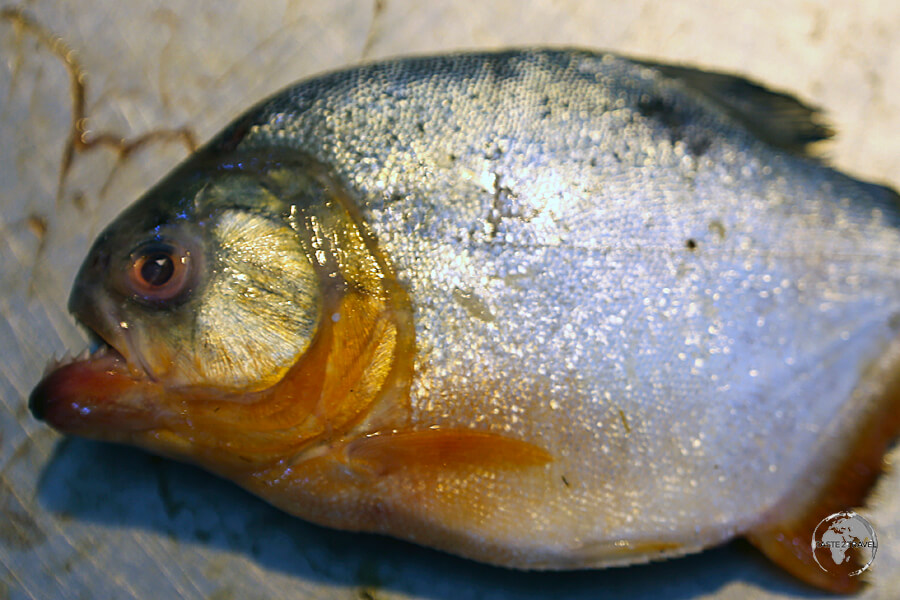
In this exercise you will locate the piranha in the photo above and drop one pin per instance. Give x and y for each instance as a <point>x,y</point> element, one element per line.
<point>545,309</point>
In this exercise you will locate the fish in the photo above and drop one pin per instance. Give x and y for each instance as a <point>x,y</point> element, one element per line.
<point>540,308</point>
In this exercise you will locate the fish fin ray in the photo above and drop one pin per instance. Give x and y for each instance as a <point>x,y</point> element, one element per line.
<point>789,545</point>
<point>785,533</point>
<point>775,117</point>
<point>443,449</point>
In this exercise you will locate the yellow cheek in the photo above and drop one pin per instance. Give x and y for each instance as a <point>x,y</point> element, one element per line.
<point>357,360</point>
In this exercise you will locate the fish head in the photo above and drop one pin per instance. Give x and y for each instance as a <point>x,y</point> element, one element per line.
<point>235,305</point>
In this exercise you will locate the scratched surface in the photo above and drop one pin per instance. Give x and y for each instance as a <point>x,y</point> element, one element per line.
<point>100,98</point>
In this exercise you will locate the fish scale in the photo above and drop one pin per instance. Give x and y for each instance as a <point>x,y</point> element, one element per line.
<point>605,202</point>
<point>615,263</point>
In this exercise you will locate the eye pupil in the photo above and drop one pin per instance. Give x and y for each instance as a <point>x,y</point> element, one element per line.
<point>161,272</point>
<point>157,269</point>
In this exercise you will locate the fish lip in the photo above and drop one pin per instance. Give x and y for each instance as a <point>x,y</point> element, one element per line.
<point>75,391</point>
<point>41,397</point>
<point>99,388</point>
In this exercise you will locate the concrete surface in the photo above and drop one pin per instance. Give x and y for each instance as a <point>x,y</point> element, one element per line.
<point>86,520</point>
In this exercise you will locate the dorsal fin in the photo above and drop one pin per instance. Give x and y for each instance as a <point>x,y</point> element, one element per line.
<point>774,117</point>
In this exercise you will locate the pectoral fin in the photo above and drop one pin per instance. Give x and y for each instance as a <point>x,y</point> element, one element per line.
<point>443,449</point>
<point>447,488</point>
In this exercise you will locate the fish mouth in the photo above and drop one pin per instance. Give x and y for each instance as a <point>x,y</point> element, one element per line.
<point>98,394</point>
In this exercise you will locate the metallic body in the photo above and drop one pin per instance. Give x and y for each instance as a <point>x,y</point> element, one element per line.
<point>603,262</point>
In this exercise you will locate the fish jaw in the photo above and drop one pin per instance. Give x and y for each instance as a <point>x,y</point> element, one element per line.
<point>106,399</point>
<point>109,394</point>
<point>99,397</point>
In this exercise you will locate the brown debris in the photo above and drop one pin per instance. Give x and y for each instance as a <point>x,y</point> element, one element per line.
<point>81,139</point>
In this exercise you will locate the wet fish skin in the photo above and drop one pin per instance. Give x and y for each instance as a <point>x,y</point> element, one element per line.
<point>603,259</point>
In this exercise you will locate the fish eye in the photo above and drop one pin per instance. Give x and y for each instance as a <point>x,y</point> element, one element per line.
<point>156,269</point>
<point>160,271</point>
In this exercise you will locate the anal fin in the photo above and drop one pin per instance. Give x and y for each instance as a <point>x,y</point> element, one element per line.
<point>789,545</point>
<point>786,535</point>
